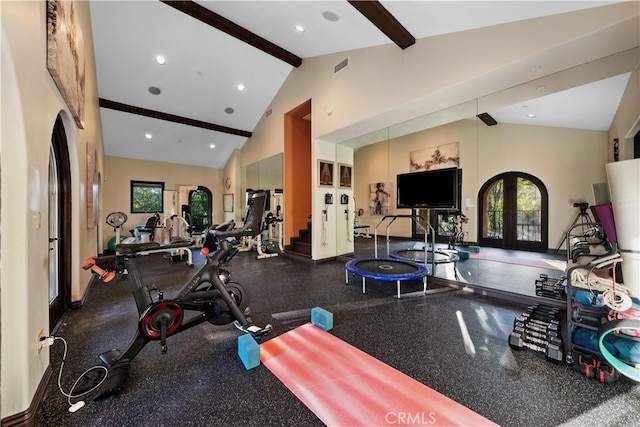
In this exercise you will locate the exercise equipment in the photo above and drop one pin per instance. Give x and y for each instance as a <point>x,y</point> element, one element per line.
<point>210,242</point>
<point>208,294</point>
<point>582,220</point>
<point>345,386</point>
<point>117,221</point>
<point>538,329</point>
<point>550,287</point>
<point>433,257</point>
<point>149,228</point>
<point>591,367</point>
<point>359,230</point>
<point>629,371</point>
<point>389,269</point>
<point>454,228</point>
<point>269,245</point>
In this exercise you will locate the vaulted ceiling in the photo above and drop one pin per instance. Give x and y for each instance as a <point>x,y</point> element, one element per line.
<point>190,109</point>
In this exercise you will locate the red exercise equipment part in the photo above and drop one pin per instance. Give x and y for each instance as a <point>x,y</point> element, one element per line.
<point>105,276</point>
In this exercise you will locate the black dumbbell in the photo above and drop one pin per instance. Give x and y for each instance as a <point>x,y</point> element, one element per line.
<point>553,353</point>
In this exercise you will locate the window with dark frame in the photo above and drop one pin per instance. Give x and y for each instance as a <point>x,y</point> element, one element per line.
<point>146,196</point>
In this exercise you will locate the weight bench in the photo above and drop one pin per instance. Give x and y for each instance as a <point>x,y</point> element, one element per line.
<point>361,231</point>
<point>181,248</point>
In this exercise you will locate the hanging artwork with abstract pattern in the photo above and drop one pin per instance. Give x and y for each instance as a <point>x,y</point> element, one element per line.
<point>438,157</point>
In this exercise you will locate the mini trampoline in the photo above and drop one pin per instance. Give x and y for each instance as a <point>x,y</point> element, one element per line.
<point>388,269</point>
<point>418,255</point>
<point>431,257</point>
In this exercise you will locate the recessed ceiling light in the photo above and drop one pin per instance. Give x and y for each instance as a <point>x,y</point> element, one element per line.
<point>212,145</point>
<point>330,16</point>
<point>229,110</point>
<point>154,90</point>
<point>240,87</point>
<point>531,116</point>
<point>148,135</point>
<point>161,59</point>
<point>299,28</point>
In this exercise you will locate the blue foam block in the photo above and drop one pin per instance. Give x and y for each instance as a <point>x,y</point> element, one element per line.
<point>463,254</point>
<point>249,351</point>
<point>322,318</point>
<point>475,249</point>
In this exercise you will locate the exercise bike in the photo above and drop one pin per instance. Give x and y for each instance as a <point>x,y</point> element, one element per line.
<point>455,228</point>
<point>209,294</point>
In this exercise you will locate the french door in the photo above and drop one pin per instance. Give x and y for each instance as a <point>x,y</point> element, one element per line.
<point>59,225</point>
<point>201,204</point>
<point>513,212</point>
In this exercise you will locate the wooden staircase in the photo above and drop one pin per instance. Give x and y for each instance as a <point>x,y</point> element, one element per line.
<point>301,245</point>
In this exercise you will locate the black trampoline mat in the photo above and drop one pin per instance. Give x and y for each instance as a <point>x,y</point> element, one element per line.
<point>417,255</point>
<point>386,266</point>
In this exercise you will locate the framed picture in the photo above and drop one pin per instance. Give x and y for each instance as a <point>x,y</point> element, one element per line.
<point>92,186</point>
<point>379,198</point>
<point>345,175</point>
<point>325,173</point>
<point>65,55</point>
<point>227,202</point>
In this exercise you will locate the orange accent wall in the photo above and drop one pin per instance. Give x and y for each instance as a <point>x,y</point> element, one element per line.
<point>297,170</point>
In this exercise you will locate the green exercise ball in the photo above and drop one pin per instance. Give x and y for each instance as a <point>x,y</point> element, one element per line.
<point>112,243</point>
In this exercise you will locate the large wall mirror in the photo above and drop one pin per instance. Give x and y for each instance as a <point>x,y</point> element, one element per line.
<point>561,159</point>
<point>263,175</point>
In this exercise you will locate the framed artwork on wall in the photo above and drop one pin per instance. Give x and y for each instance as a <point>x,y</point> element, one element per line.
<point>65,55</point>
<point>227,202</point>
<point>438,157</point>
<point>380,198</point>
<point>344,172</point>
<point>325,173</point>
<point>92,186</point>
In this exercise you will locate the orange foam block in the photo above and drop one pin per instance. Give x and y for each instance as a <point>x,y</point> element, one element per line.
<point>345,386</point>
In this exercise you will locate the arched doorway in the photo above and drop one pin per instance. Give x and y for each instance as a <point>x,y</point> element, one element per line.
<point>200,202</point>
<point>513,212</point>
<point>59,225</point>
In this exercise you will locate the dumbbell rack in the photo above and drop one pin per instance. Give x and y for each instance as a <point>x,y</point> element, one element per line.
<point>538,329</point>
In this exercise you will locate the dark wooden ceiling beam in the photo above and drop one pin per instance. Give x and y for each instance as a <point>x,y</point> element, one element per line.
<point>375,12</point>
<point>223,24</point>
<point>487,119</point>
<point>126,108</point>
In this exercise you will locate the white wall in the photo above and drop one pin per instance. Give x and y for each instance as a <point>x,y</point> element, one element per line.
<point>30,105</point>
<point>384,85</point>
<point>567,161</point>
<point>119,171</point>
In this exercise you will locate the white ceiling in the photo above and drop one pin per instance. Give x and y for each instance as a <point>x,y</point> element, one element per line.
<point>204,65</point>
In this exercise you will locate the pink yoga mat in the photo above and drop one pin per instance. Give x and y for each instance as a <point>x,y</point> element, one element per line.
<point>345,386</point>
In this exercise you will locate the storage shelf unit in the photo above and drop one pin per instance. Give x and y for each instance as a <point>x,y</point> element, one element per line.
<point>580,253</point>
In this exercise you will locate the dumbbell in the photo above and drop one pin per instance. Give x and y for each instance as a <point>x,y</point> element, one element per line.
<point>538,335</point>
<point>551,329</point>
<point>549,337</point>
<point>552,352</point>
<point>90,264</point>
<point>582,316</point>
<point>546,314</point>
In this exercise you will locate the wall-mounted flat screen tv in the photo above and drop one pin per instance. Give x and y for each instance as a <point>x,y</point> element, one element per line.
<point>432,189</point>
